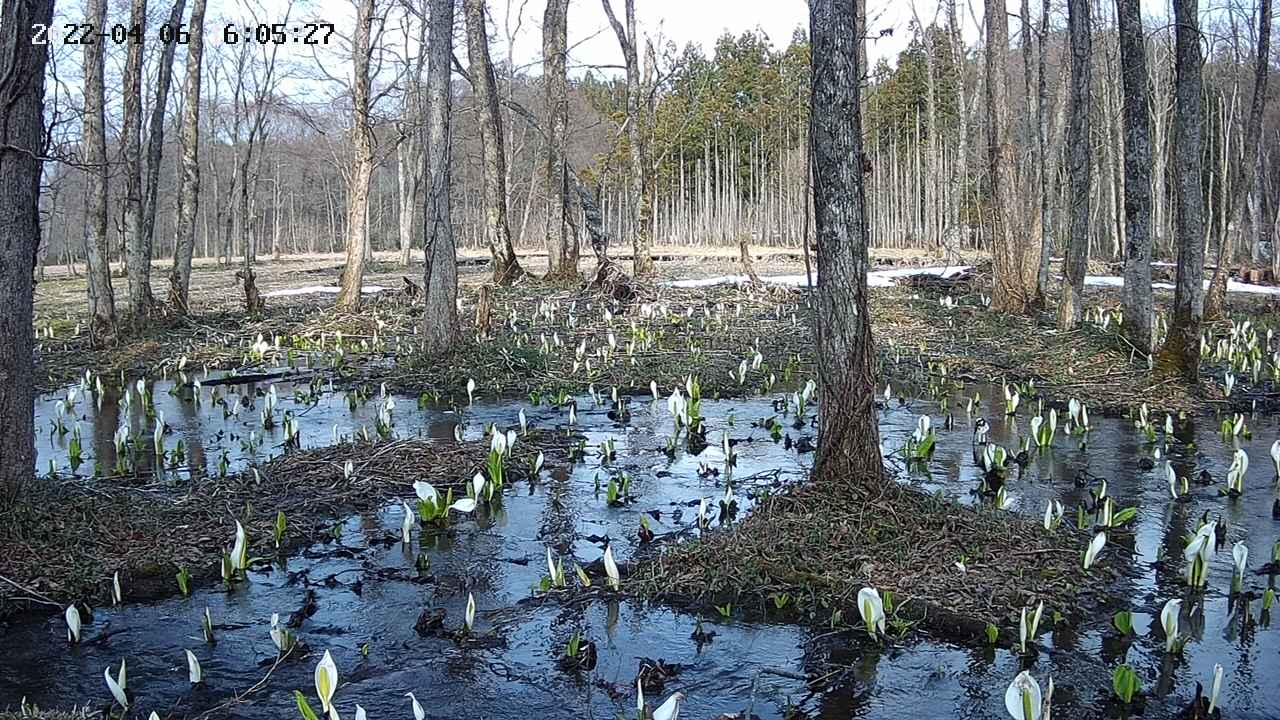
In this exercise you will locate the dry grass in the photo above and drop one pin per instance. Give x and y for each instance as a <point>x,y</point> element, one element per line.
<point>69,537</point>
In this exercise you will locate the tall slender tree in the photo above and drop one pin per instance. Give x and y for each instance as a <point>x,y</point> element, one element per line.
<point>1246,168</point>
<point>362,171</point>
<point>1016,260</point>
<point>1076,261</point>
<point>440,328</point>
<point>562,243</point>
<point>849,442</point>
<point>155,130</point>
<point>637,102</point>
<point>1181,351</point>
<point>97,257</point>
<point>22,134</point>
<point>188,195</point>
<point>506,268</point>
<point>137,255</point>
<point>1136,296</point>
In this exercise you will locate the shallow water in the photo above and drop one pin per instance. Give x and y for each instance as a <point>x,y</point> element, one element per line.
<point>499,556</point>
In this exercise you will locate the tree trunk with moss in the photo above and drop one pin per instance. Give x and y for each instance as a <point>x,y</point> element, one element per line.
<point>102,303</point>
<point>440,328</point>
<point>506,268</point>
<point>1015,258</point>
<point>849,438</point>
<point>1246,170</point>
<point>1181,351</point>
<point>22,136</point>
<point>1076,262</point>
<point>1136,294</point>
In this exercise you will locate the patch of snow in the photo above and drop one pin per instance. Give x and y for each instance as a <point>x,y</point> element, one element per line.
<point>321,290</point>
<point>1232,285</point>
<point>875,278</point>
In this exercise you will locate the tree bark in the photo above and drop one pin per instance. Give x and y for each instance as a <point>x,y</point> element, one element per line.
<point>137,253</point>
<point>155,131</point>
<point>1246,170</point>
<point>22,136</point>
<point>1181,352</point>
<point>637,102</point>
<point>184,238</point>
<point>1015,259</point>
<point>1136,295</point>
<point>410,161</point>
<point>440,327</point>
<point>562,245</point>
<point>1076,261</point>
<point>506,268</point>
<point>849,440</point>
<point>362,144</point>
<point>102,306</point>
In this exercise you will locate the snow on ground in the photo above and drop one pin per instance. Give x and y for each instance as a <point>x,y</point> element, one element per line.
<point>887,278</point>
<point>321,290</point>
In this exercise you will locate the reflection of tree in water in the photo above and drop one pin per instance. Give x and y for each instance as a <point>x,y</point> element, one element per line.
<point>105,420</point>
<point>850,691</point>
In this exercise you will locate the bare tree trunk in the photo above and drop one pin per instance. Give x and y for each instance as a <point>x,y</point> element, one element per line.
<point>1181,352</point>
<point>637,141</point>
<point>849,443</point>
<point>362,144</point>
<point>155,132</point>
<point>506,268</point>
<point>137,253</point>
<point>440,327</point>
<point>184,238</point>
<point>410,161</point>
<point>1246,170</point>
<point>22,135</point>
<point>562,245</point>
<point>1076,261</point>
<point>1015,259</point>
<point>1042,159</point>
<point>1137,303</point>
<point>102,306</point>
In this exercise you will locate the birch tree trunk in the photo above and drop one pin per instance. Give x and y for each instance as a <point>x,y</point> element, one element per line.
<point>1181,352</point>
<point>184,238</point>
<point>849,439</point>
<point>440,327</point>
<point>22,135</point>
<point>1136,294</point>
<point>137,253</point>
<point>362,170</point>
<point>102,307</point>
<point>1015,260</point>
<point>562,245</point>
<point>1246,169</point>
<point>1076,261</point>
<point>506,268</point>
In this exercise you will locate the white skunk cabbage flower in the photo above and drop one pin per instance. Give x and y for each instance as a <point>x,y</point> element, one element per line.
<point>1200,548</point>
<point>326,679</point>
<point>669,710</point>
<point>1169,617</point>
<point>1275,456</point>
<point>524,423</point>
<point>1240,553</point>
<point>465,505</point>
<point>426,491</point>
<point>477,484</point>
<point>1052,514</point>
<point>194,673</point>
<point>611,568</point>
<point>418,712</point>
<point>73,624</point>
<point>118,685</point>
<point>653,389</point>
<point>117,592</point>
<point>871,608</point>
<point>1098,542</point>
<point>1236,473</point>
<point>1217,688</point>
<point>406,526</point>
<point>470,618</point>
<point>240,550</point>
<point>361,714</point>
<point>1023,699</point>
<point>471,391</point>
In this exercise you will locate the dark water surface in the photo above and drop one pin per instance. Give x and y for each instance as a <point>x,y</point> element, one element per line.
<point>369,594</point>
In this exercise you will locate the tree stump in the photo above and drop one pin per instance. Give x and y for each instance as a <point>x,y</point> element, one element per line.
<point>253,302</point>
<point>484,311</point>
